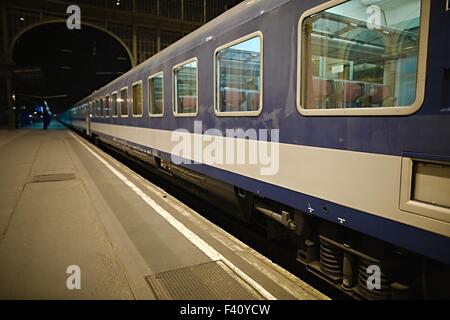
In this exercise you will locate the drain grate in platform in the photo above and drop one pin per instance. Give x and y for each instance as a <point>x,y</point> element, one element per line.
<point>53,177</point>
<point>208,281</point>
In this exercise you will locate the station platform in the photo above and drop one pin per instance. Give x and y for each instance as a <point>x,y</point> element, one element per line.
<point>66,203</point>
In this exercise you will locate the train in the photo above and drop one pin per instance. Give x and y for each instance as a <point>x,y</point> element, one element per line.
<point>339,113</point>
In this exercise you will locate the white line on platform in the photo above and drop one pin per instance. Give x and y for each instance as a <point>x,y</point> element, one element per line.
<point>187,233</point>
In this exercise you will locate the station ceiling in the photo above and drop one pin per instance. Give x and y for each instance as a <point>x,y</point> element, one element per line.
<point>54,64</point>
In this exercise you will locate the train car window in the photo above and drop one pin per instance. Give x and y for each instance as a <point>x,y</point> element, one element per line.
<point>114,104</point>
<point>102,107</point>
<point>137,99</point>
<point>156,94</point>
<point>107,107</point>
<point>357,57</point>
<point>185,89</point>
<point>97,108</point>
<point>124,102</point>
<point>238,77</point>
<point>94,108</point>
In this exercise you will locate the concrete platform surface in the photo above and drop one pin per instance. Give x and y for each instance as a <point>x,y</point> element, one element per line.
<point>67,207</point>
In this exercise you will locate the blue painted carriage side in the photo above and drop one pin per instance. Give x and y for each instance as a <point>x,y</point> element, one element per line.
<point>434,157</point>
<point>411,238</point>
<point>425,132</point>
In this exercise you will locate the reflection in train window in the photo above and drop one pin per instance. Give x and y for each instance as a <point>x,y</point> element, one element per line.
<point>124,102</point>
<point>107,107</point>
<point>102,107</point>
<point>137,99</point>
<point>97,108</point>
<point>114,104</point>
<point>156,95</point>
<point>238,77</point>
<point>185,89</point>
<point>361,56</point>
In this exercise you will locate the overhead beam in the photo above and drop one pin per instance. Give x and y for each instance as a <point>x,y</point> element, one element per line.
<point>58,8</point>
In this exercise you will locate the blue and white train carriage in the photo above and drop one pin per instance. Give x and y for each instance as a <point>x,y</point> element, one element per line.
<point>360,93</point>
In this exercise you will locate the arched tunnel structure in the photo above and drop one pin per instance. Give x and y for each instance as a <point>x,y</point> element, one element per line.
<point>137,29</point>
<point>62,65</point>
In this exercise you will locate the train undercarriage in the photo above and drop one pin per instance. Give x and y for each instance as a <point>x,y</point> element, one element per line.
<point>359,265</point>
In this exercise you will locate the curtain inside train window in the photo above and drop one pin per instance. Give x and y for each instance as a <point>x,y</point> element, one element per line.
<point>156,94</point>
<point>238,77</point>
<point>137,99</point>
<point>185,89</point>
<point>361,54</point>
